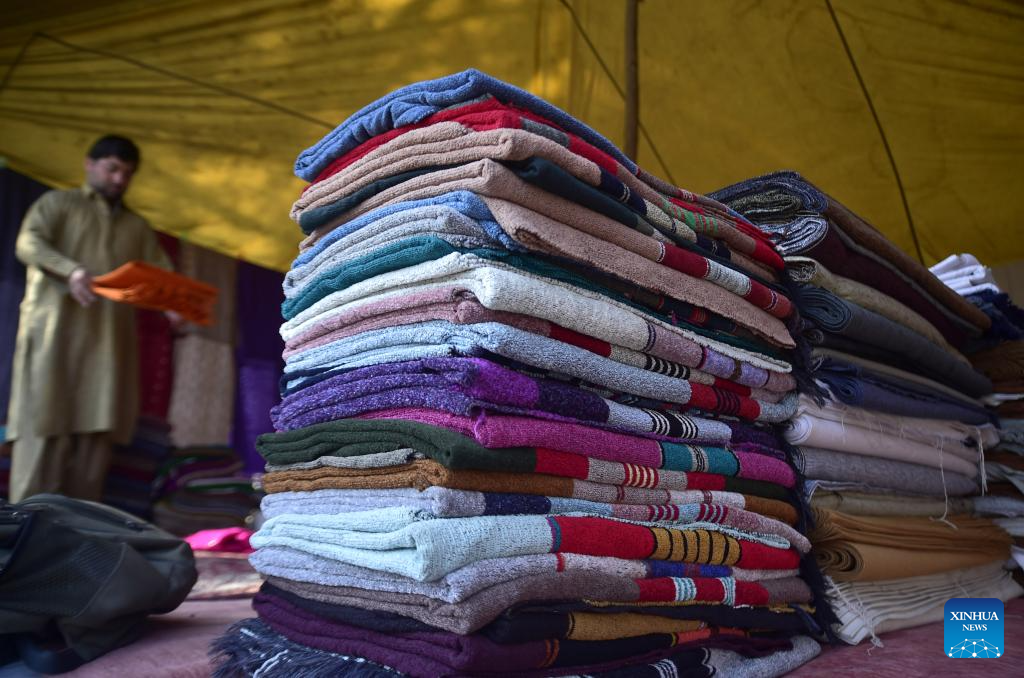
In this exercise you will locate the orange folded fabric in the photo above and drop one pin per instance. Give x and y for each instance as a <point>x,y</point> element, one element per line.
<point>146,286</point>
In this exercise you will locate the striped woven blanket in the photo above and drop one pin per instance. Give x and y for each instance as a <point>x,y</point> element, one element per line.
<point>394,541</point>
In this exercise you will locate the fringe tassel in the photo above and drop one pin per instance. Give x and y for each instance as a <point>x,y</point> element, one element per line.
<point>824,617</point>
<point>251,648</point>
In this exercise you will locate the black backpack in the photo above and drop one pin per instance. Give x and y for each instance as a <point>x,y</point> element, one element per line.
<point>78,578</point>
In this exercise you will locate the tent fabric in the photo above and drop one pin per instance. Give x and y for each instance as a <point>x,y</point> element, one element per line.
<point>222,97</point>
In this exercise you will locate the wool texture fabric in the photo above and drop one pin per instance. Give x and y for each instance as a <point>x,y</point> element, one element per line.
<point>395,541</point>
<point>451,143</point>
<point>515,573</point>
<point>488,113</point>
<point>443,304</point>
<point>475,177</point>
<point>762,317</point>
<point>809,271</point>
<point>354,437</point>
<point>253,648</point>
<point>514,225</point>
<point>551,357</point>
<point>898,476</point>
<point>411,104</point>
<point>779,197</point>
<point>448,437</point>
<point>444,654</point>
<point>418,248</point>
<point>729,508</point>
<point>965,438</point>
<point>420,474</point>
<point>862,504</point>
<point>478,611</point>
<point>868,608</point>
<point>874,390</point>
<point>877,548</point>
<point>503,288</point>
<point>415,102</point>
<point>462,385</point>
<point>834,315</point>
<point>807,429</point>
<point>494,431</point>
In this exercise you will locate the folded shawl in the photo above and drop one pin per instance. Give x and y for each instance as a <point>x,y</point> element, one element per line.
<point>413,103</point>
<point>498,431</point>
<point>807,429</point>
<point>423,241</point>
<point>494,577</point>
<point>805,270</point>
<point>593,626</point>
<point>872,389</point>
<point>728,508</point>
<point>873,607</point>
<point>835,316</point>
<point>447,304</point>
<point>639,484</point>
<point>898,476</point>
<point>962,439</point>
<point>511,219</point>
<point>488,113</point>
<point>547,357</point>
<point>476,611</point>
<point>465,385</point>
<point>438,653</point>
<point>395,541</point>
<point>356,437</point>
<point>875,548</point>
<point>862,504</point>
<point>451,143</point>
<point>730,299</point>
<point>780,196</point>
<point>504,289</point>
<point>250,647</point>
<point>517,431</point>
<point>535,184</point>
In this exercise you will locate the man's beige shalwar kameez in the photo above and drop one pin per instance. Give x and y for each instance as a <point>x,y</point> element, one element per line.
<point>74,389</point>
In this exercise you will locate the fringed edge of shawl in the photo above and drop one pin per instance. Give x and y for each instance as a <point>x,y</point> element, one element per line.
<point>824,616</point>
<point>249,647</point>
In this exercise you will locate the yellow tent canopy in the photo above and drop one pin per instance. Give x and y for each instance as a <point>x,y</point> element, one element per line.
<point>911,113</point>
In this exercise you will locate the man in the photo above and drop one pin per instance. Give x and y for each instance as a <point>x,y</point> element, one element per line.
<point>74,390</point>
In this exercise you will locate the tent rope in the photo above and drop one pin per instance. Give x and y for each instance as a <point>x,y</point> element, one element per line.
<point>881,131</point>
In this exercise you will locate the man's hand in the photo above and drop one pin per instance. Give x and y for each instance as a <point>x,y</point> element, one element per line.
<point>80,284</point>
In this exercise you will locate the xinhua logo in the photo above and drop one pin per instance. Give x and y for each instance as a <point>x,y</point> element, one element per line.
<point>973,628</point>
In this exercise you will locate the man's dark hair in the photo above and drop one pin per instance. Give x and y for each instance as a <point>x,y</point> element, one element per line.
<point>113,145</point>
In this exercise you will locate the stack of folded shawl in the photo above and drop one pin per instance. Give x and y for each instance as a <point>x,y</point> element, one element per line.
<point>999,354</point>
<point>134,468</point>
<point>893,435</point>
<point>526,415</point>
<point>201,488</point>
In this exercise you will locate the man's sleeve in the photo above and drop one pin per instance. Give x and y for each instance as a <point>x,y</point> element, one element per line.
<point>34,246</point>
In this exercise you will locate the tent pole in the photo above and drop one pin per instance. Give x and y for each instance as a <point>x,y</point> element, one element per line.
<point>632,81</point>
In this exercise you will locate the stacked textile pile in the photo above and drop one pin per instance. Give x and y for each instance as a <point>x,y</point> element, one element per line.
<point>131,483</point>
<point>1000,355</point>
<point>201,488</point>
<point>526,411</point>
<point>893,442</point>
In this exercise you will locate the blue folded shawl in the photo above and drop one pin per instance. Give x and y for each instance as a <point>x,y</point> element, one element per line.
<point>413,103</point>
